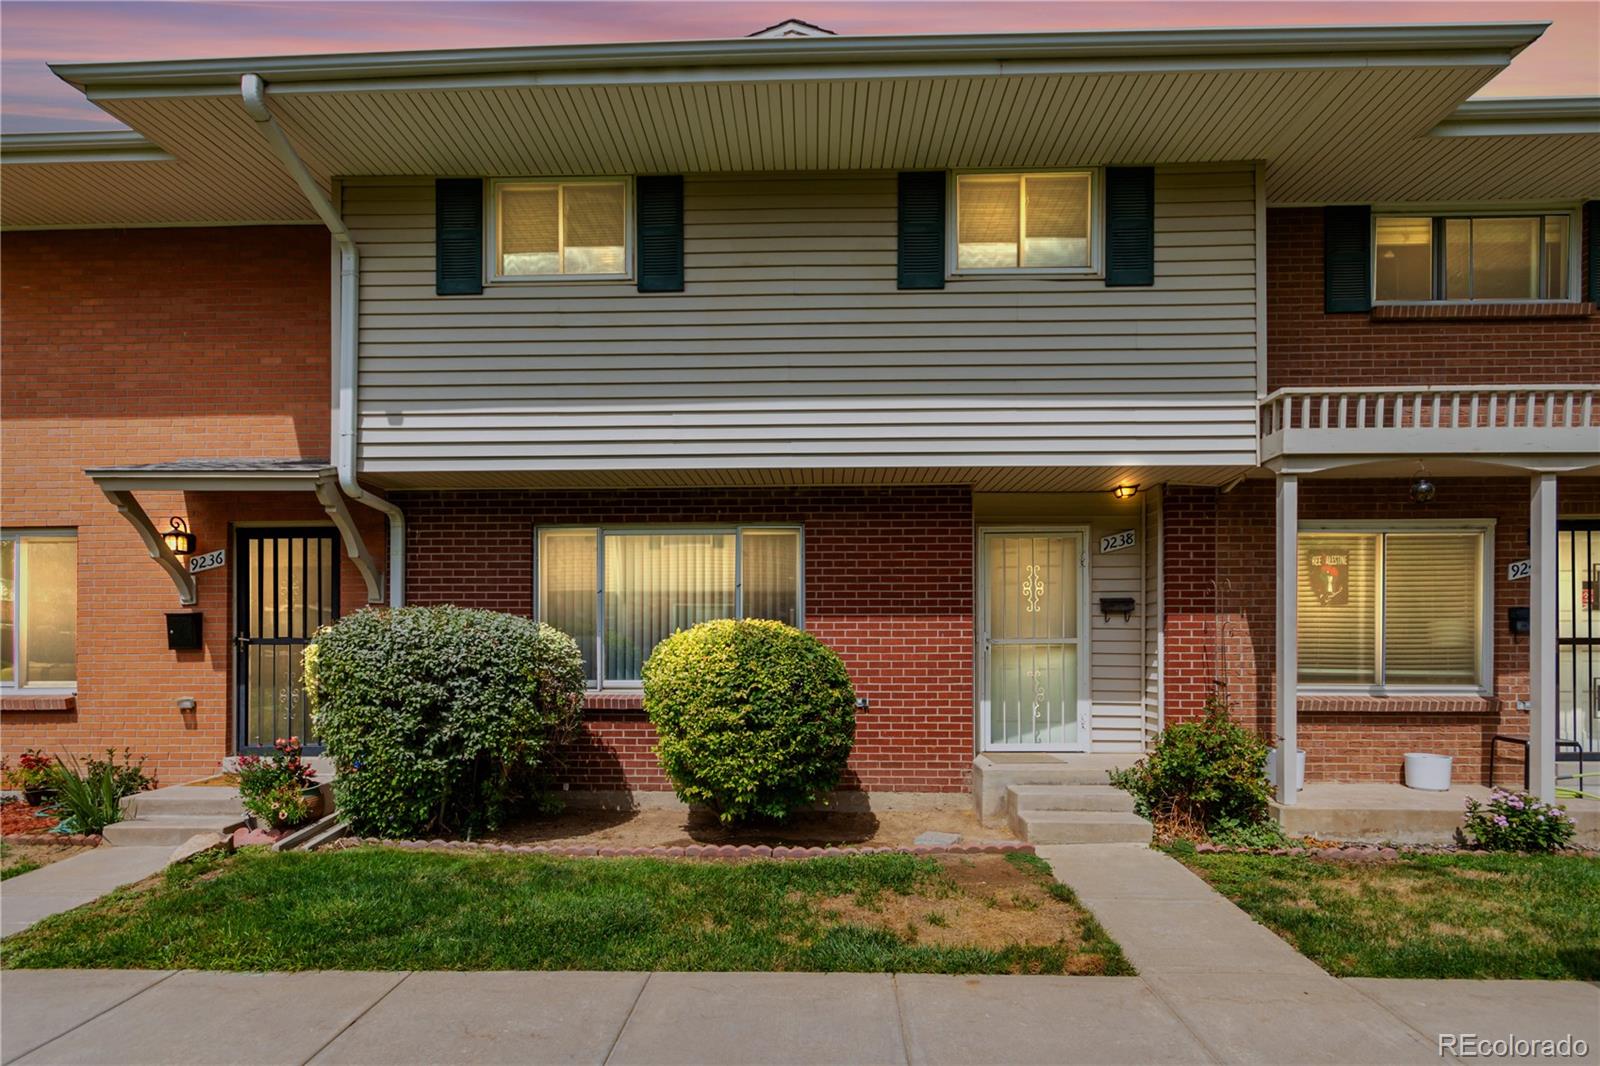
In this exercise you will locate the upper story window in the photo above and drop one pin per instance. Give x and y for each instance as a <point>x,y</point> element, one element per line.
<point>561,229</point>
<point>38,609</point>
<point>1033,222</point>
<point>1472,257</point>
<point>1399,607</point>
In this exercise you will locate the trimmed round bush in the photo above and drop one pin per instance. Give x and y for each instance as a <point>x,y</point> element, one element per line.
<point>756,718</point>
<point>437,718</point>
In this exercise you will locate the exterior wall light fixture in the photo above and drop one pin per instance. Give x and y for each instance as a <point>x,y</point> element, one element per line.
<point>1422,487</point>
<point>1125,492</point>
<point>179,540</point>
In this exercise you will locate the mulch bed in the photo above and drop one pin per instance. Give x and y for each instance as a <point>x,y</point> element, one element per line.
<point>22,819</point>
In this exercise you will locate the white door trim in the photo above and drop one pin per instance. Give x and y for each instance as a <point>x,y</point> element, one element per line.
<point>981,631</point>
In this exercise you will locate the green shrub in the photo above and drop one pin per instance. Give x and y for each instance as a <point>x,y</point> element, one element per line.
<point>756,718</point>
<point>438,718</point>
<point>1202,776</point>
<point>1518,821</point>
<point>88,795</point>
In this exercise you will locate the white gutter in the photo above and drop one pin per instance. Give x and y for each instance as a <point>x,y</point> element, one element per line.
<point>253,92</point>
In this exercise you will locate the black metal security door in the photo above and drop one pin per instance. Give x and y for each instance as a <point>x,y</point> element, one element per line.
<point>1578,652</point>
<point>287,586</point>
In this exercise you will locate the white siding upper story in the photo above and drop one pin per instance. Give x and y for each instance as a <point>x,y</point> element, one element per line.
<point>792,348</point>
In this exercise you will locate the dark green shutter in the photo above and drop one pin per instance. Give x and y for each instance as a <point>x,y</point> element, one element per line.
<point>921,241</point>
<point>660,220</point>
<point>1130,226</point>
<point>458,236</point>
<point>1346,259</point>
<point>1591,212</point>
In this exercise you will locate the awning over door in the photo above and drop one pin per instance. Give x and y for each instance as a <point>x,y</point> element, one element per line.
<point>317,476</point>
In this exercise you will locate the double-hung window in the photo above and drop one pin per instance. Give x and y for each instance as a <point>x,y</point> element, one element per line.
<point>618,592</point>
<point>1403,607</point>
<point>1420,258</point>
<point>570,228</point>
<point>38,609</point>
<point>1031,222</point>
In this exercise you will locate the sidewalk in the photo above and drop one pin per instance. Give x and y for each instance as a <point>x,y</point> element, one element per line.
<point>74,881</point>
<point>136,1017</point>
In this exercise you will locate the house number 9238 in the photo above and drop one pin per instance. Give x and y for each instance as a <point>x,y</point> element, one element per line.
<point>1115,542</point>
<point>1519,570</point>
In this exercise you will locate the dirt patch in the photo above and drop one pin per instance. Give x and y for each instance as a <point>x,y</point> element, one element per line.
<point>979,901</point>
<point>216,781</point>
<point>678,828</point>
<point>34,856</point>
<point>21,819</point>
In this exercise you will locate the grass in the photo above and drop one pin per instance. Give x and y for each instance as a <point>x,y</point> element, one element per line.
<point>1456,915</point>
<point>387,909</point>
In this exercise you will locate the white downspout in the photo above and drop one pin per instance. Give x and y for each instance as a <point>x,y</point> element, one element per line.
<point>253,92</point>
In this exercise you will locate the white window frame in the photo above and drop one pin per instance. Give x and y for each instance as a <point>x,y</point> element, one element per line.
<point>1573,213</point>
<point>1096,267</point>
<point>599,681</point>
<point>491,231</point>
<point>1486,636</point>
<point>18,685</point>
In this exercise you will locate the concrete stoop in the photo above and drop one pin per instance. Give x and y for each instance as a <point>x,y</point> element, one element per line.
<point>1057,799</point>
<point>170,816</point>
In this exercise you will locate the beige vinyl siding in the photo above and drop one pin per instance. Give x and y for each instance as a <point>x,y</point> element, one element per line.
<point>792,348</point>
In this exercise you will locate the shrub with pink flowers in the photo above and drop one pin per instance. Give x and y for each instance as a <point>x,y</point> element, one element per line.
<point>273,789</point>
<point>1517,821</point>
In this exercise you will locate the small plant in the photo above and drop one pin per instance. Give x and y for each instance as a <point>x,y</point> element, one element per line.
<point>273,789</point>
<point>1265,833</point>
<point>87,798</point>
<point>1204,776</point>
<point>756,718</point>
<point>128,774</point>
<point>32,775</point>
<point>1517,821</point>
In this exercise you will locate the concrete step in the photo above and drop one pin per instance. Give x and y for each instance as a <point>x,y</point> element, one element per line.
<point>202,800</point>
<point>1081,827</point>
<point>1023,798</point>
<point>168,830</point>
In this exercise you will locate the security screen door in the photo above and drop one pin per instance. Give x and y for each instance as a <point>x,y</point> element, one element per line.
<point>287,586</point>
<point>1578,653</point>
<point>1033,682</point>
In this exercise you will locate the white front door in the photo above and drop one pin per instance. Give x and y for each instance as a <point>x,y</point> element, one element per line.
<point>1033,681</point>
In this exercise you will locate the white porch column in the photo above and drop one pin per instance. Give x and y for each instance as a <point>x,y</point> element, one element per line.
<point>1288,650</point>
<point>1542,638</point>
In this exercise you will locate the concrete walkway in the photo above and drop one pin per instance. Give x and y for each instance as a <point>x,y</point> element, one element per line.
<point>74,881</point>
<point>136,1017</point>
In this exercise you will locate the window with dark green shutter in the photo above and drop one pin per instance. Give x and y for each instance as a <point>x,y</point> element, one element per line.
<point>1346,259</point>
<point>458,236</point>
<point>1130,226</point>
<point>660,221</point>
<point>1592,213</point>
<point>921,229</point>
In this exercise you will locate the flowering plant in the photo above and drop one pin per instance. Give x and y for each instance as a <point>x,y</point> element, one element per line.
<point>1517,821</point>
<point>32,773</point>
<point>273,789</point>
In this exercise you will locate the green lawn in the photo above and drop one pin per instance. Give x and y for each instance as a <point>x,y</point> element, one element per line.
<point>387,909</point>
<point>1457,915</point>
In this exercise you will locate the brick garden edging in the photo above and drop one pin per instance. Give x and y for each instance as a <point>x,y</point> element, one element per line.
<point>1367,852</point>
<point>89,840</point>
<point>691,851</point>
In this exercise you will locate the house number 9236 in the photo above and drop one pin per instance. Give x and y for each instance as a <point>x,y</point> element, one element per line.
<point>208,561</point>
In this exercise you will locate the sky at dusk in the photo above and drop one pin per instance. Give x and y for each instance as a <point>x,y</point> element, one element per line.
<point>1566,61</point>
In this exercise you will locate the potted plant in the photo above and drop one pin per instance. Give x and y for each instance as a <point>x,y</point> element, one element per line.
<point>32,776</point>
<point>280,791</point>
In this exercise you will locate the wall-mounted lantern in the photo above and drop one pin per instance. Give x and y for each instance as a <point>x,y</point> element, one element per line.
<point>1125,492</point>
<point>179,540</point>
<point>1422,488</point>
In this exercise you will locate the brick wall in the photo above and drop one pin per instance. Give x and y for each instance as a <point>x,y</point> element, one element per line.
<point>1220,558</point>
<point>1310,348</point>
<point>888,585</point>
<point>138,346</point>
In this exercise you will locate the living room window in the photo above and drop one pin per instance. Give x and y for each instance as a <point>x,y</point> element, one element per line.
<point>1033,222</point>
<point>38,609</point>
<point>1422,258</point>
<point>1404,607</point>
<point>571,228</point>
<point>619,591</point>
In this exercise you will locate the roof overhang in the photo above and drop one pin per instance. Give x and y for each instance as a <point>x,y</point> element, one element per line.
<point>1353,114</point>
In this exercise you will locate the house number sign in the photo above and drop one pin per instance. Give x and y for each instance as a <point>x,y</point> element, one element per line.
<point>1116,542</point>
<point>208,561</point>
<point>1520,569</point>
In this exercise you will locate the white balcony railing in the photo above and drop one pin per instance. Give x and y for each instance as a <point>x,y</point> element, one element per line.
<point>1559,422</point>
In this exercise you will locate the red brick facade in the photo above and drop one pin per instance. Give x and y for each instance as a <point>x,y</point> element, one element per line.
<point>139,346</point>
<point>1309,348</point>
<point>888,585</point>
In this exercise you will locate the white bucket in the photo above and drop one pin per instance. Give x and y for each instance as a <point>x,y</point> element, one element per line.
<point>1429,772</point>
<point>1299,768</point>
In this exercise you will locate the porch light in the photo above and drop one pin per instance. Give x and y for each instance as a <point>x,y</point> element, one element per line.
<point>1422,490</point>
<point>179,540</point>
<point>1125,492</point>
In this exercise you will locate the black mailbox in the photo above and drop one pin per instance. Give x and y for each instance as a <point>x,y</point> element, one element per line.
<point>183,631</point>
<point>1110,605</point>
<point>1517,621</point>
